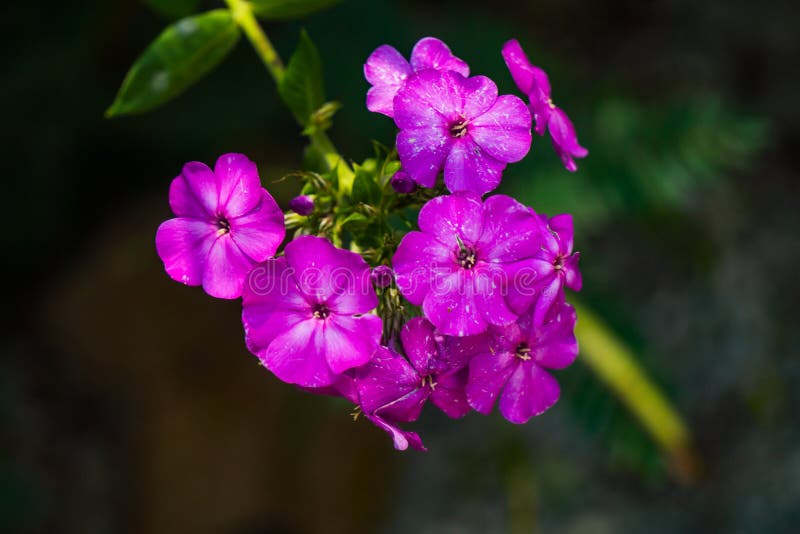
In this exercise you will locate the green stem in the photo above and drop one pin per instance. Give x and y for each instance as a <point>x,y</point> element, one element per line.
<point>246,19</point>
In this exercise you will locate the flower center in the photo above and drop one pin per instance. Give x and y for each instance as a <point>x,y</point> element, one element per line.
<point>428,381</point>
<point>558,263</point>
<point>523,351</point>
<point>550,103</point>
<point>223,226</point>
<point>465,256</point>
<point>321,311</point>
<point>458,129</point>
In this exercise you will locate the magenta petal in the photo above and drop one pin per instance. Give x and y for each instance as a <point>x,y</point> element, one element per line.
<point>420,259</point>
<point>488,374</point>
<point>504,131</point>
<point>423,152</point>
<point>330,275</point>
<point>448,216</point>
<point>385,379</point>
<point>490,295</point>
<point>226,269</point>
<point>479,95</point>
<point>557,346</point>
<point>401,438</point>
<point>429,98</point>
<point>572,275</point>
<point>419,342</point>
<point>239,185</point>
<point>510,231</point>
<point>527,76</point>
<point>202,184</point>
<point>350,341</point>
<point>565,140</point>
<point>562,226</point>
<point>431,53</point>
<point>297,356</point>
<point>386,66</point>
<point>451,305</point>
<point>550,290</point>
<point>450,394</point>
<point>407,408</point>
<point>518,65</point>
<point>185,203</point>
<point>530,391</point>
<point>470,168</point>
<point>183,244</point>
<point>271,304</point>
<point>260,232</point>
<point>380,99</point>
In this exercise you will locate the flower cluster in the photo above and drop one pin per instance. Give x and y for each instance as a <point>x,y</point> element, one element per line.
<point>464,308</point>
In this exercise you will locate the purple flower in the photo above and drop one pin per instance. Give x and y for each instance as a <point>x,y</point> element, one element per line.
<point>402,183</point>
<point>302,205</point>
<point>386,69</point>
<point>556,266</point>
<point>382,276</point>
<point>460,124</point>
<point>511,362</point>
<point>466,257</point>
<point>533,81</point>
<point>226,223</point>
<point>393,387</point>
<point>306,314</point>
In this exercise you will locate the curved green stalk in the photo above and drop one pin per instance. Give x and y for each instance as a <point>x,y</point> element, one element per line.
<point>615,364</point>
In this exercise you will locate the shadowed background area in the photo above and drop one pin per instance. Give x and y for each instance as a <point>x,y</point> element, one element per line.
<point>128,403</point>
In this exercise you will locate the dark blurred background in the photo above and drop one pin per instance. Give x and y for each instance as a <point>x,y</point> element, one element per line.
<point>128,403</point>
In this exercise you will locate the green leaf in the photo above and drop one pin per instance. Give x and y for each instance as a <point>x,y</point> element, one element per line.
<point>365,189</point>
<point>180,56</point>
<point>173,9</point>
<point>301,87</point>
<point>289,9</point>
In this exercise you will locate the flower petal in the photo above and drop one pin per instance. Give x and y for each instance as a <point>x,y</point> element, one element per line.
<point>431,53</point>
<point>428,98</point>
<point>238,183</point>
<point>511,232</point>
<point>336,277</point>
<point>199,189</point>
<point>556,346</point>
<point>385,379</point>
<point>226,269</point>
<point>530,391</point>
<point>504,131</point>
<point>470,168</point>
<point>419,260</point>
<point>450,394</point>
<point>423,152</point>
<point>297,355</point>
<point>563,227</point>
<point>183,244</point>
<point>527,76</point>
<point>565,140</point>
<point>448,216</point>
<point>401,438</point>
<point>386,66</point>
<point>260,232</point>
<point>380,99</point>
<point>271,304</point>
<point>572,275</point>
<point>418,337</point>
<point>451,305</point>
<point>488,373</point>
<point>350,341</point>
<point>479,94</point>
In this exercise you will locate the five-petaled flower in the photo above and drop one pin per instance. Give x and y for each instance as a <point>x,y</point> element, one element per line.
<point>534,82</point>
<point>511,362</point>
<point>461,125</point>
<point>226,223</point>
<point>306,314</point>
<point>466,258</point>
